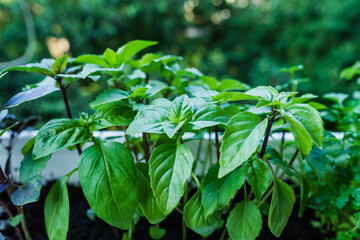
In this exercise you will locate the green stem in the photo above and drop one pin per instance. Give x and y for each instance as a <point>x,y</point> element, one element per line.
<point>197,158</point>
<point>127,141</point>
<point>267,195</point>
<point>185,199</point>
<point>196,179</point>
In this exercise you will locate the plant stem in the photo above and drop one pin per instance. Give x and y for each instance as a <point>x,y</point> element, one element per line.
<point>198,150</point>
<point>267,195</point>
<point>146,147</point>
<point>216,130</point>
<point>266,138</point>
<point>126,139</point>
<point>67,108</point>
<point>196,179</point>
<point>24,225</point>
<point>282,143</point>
<point>185,199</point>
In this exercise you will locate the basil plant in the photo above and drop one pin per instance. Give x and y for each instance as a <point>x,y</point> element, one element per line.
<point>159,107</point>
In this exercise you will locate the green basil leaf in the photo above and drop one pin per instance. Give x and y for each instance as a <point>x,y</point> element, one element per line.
<point>147,200</point>
<point>192,72</point>
<point>108,177</point>
<point>28,95</point>
<point>217,192</point>
<point>112,114</point>
<point>16,220</point>
<point>339,98</point>
<point>30,168</point>
<point>169,167</point>
<point>110,57</point>
<point>320,164</point>
<point>282,202</point>
<point>58,134</point>
<point>233,96</point>
<point>242,136</point>
<point>181,109</point>
<point>210,81</point>
<point>171,128</point>
<point>266,93</point>
<point>149,120</point>
<point>59,65</point>
<point>44,67</point>
<point>92,59</point>
<point>232,85</point>
<point>57,210</point>
<point>138,93</point>
<point>244,221</point>
<point>208,115</point>
<point>28,145</point>
<point>306,125</point>
<point>258,175</point>
<point>156,232</point>
<point>195,219</point>
<point>27,193</point>
<point>128,50</point>
<point>112,95</point>
<point>92,69</point>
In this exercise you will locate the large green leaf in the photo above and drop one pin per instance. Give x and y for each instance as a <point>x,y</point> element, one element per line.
<point>258,175</point>
<point>112,114</point>
<point>92,59</point>
<point>94,70</point>
<point>147,200</point>
<point>128,50</point>
<point>232,85</point>
<point>108,177</point>
<point>170,167</point>
<point>217,192</point>
<point>266,93</point>
<point>149,120</point>
<point>108,96</point>
<point>57,210</point>
<point>208,115</point>
<point>27,193</point>
<point>306,125</point>
<point>28,95</point>
<point>195,219</point>
<point>244,221</point>
<point>233,96</point>
<point>58,134</point>
<point>282,202</point>
<point>242,136</point>
<point>44,67</point>
<point>30,168</point>
<point>181,109</point>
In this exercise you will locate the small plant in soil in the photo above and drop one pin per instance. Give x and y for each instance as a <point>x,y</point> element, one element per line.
<point>161,109</point>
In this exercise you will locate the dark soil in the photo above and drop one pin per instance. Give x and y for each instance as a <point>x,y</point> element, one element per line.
<point>81,227</point>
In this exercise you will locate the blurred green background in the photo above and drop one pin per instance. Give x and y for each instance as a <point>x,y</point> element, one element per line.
<point>247,40</point>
